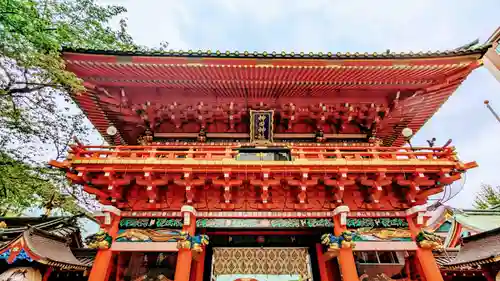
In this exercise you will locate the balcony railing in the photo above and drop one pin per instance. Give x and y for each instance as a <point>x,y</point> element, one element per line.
<point>219,152</point>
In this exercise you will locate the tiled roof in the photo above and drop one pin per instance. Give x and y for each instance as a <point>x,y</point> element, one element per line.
<point>46,248</point>
<point>445,257</point>
<point>481,220</point>
<point>60,226</point>
<point>86,256</point>
<point>479,49</point>
<point>478,249</point>
<point>54,251</point>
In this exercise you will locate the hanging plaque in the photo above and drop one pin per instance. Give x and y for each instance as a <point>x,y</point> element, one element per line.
<point>261,125</point>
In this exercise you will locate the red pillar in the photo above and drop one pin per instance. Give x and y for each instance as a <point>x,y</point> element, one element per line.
<point>323,271</point>
<point>47,273</point>
<point>200,266</point>
<point>103,260</point>
<point>430,269</point>
<point>345,257</point>
<point>488,275</point>
<point>185,256</point>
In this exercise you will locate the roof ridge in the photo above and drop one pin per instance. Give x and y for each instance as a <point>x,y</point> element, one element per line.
<point>37,231</point>
<point>480,48</point>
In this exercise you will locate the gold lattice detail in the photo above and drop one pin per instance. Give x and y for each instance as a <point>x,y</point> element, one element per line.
<point>275,261</point>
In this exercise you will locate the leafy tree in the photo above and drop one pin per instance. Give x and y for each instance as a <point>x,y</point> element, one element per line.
<point>487,197</point>
<point>37,115</point>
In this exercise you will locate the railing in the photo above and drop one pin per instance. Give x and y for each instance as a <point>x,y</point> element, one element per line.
<point>218,152</point>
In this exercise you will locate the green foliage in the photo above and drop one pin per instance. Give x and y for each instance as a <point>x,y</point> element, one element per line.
<point>38,119</point>
<point>487,197</point>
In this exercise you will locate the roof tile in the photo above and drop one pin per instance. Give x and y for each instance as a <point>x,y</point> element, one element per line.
<point>480,49</point>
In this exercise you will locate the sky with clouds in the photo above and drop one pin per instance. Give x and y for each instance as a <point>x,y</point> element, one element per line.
<point>341,26</point>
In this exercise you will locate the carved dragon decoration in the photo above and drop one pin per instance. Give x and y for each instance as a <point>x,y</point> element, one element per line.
<point>344,240</point>
<point>429,240</point>
<point>101,240</point>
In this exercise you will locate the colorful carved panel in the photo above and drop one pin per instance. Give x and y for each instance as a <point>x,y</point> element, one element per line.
<point>149,235</point>
<point>183,239</point>
<point>379,229</point>
<point>355,223</point>
<point>153,223</point>
<point>264,223</point>
<point>382,234</point>
<point>196,243</point>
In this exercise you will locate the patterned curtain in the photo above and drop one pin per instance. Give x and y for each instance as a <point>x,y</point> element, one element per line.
<point>272,261</point>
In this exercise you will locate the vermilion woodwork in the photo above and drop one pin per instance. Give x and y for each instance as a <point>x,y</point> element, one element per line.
<point>190,100</point>
<point>208,177</point>
<point>171,93</point>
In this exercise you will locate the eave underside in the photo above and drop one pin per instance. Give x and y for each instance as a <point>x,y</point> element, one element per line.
<point>414,88</point>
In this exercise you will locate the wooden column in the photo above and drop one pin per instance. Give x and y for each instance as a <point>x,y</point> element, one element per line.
<point>488,273</point>
<point>345,257</point>
<point>185,256</point>
<point>323,271</point>
<point>103,262</point>
<point>47,273</point>
<point>200,266</point>
<point>416,221</point>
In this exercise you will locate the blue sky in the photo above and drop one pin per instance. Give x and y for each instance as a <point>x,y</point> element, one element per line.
<point>355,25</point>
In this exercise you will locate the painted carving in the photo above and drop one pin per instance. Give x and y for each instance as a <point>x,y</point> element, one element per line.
<point>198,241</point>
<point>101,240</point>
<point>185,241</point>
<point>149,235</point>
<point>195,243</point>
<point>344,240</point>
<point>150,223</point>
<point>379,229</point>
<point>377,223</point>
<point>330,240</point>
<point>429,240</point>
<point>382,234</point>
<point>263,223</point>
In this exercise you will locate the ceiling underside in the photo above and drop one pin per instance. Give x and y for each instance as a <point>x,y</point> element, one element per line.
<point>413,88</point>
